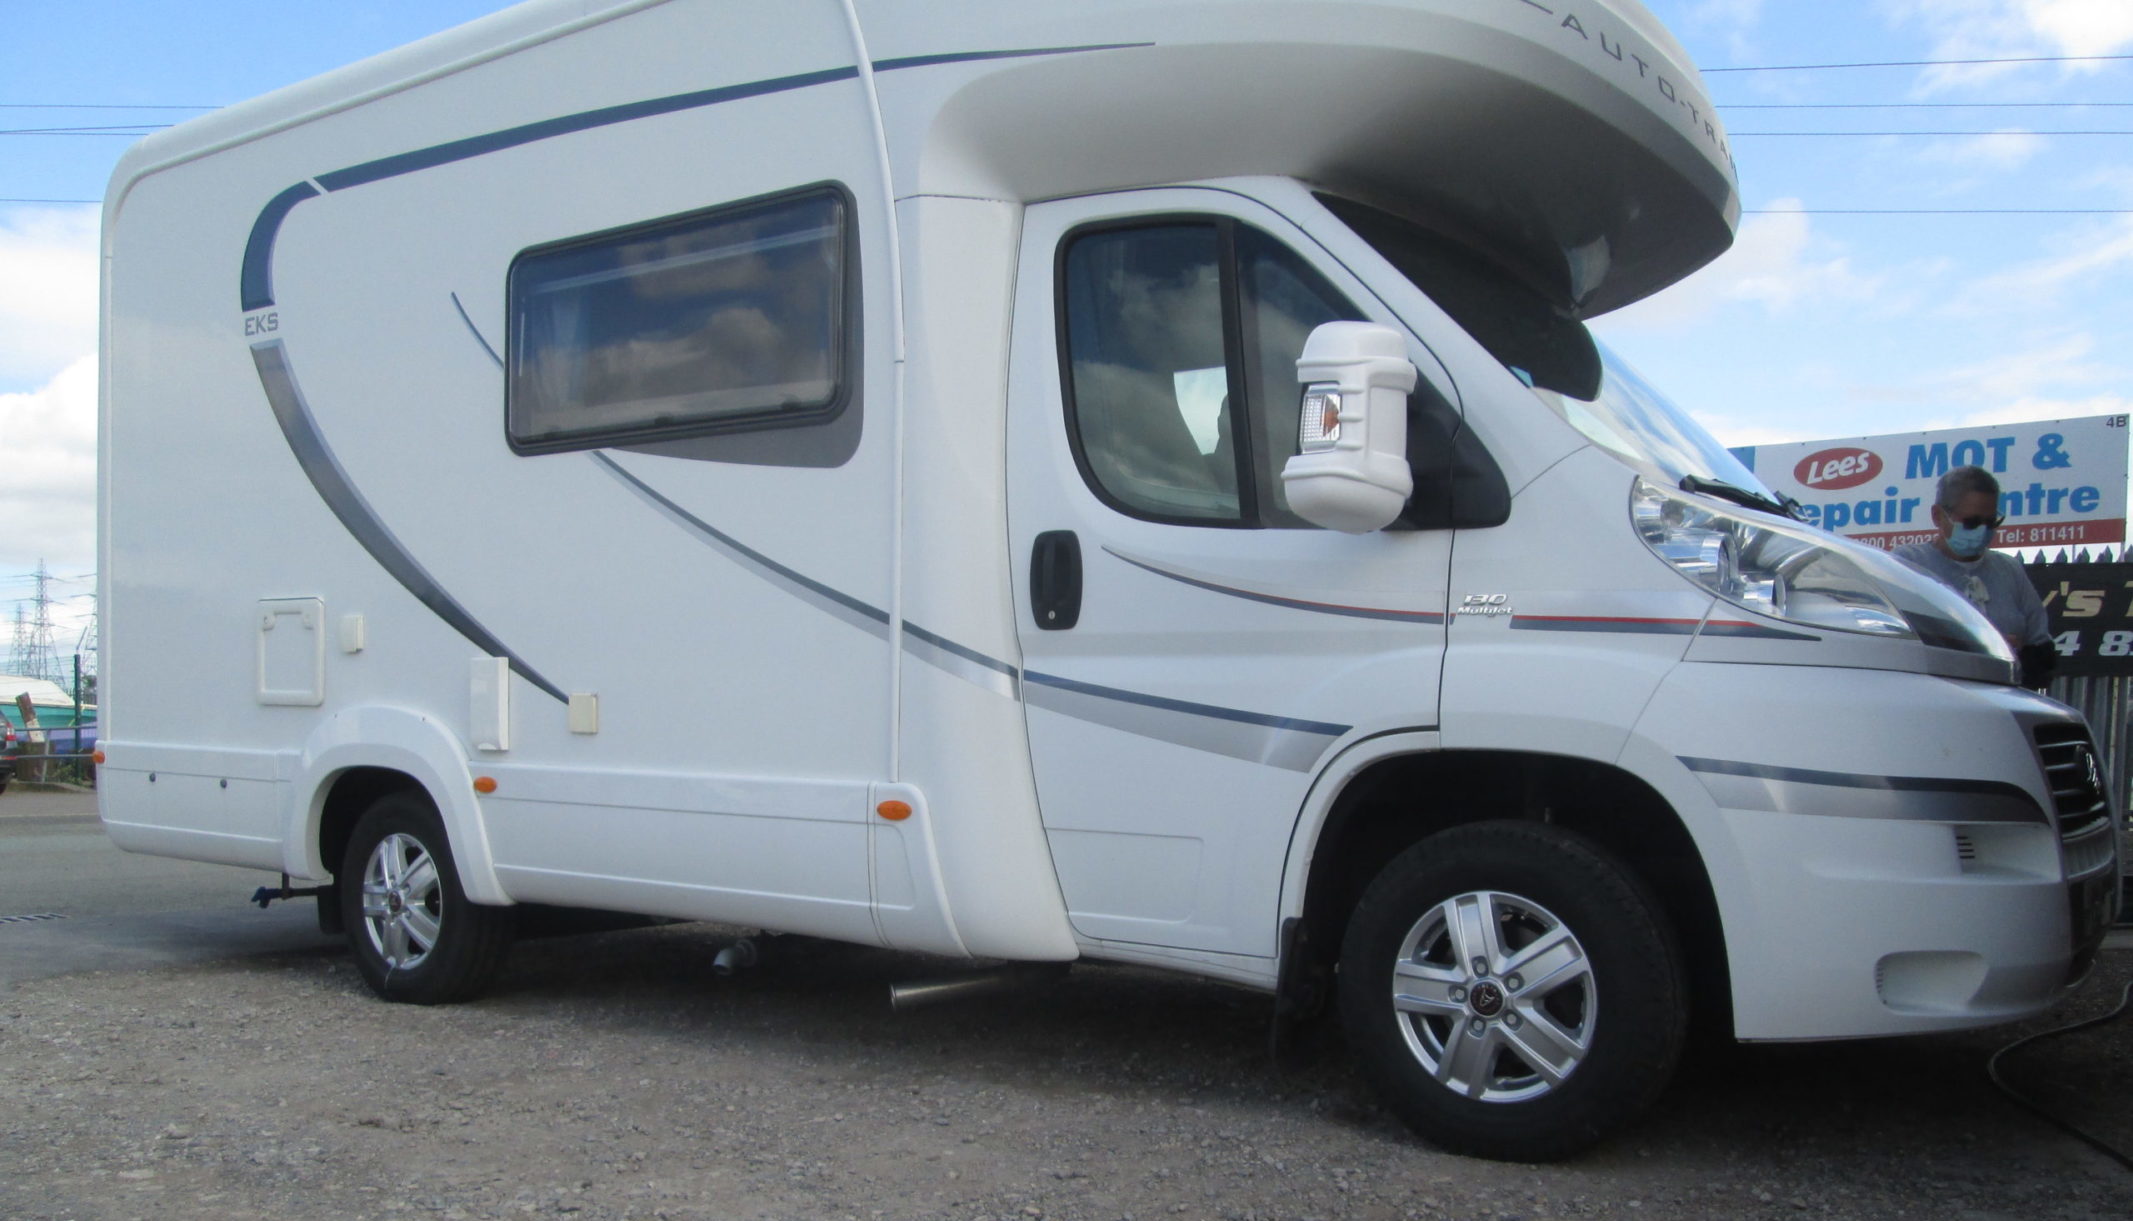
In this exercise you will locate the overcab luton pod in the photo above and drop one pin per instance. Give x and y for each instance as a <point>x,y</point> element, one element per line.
<point>1124,481</point>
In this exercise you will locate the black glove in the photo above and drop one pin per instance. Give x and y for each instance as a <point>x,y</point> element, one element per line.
<point>2038,662</point>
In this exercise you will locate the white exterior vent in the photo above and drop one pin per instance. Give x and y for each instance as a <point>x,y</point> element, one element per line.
<point>292,651</point>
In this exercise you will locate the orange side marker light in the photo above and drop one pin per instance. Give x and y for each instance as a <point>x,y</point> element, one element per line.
<point>894,811</point>
<point>484,784</point>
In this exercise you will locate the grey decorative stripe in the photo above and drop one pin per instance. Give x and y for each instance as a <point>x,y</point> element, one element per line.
<point>964,57</point>
<point>359,519</point>
<point>1216,711</point>
<point>870,619</point>
<point>257,290</point>
<point>476,332</point>
<point>547,129</point>
<point>1323,608</point>
<point>963,662</point>
<point>1283,742</point>
<point>1579,623</point>
<point>1797,790</point>
<point>256,281</point>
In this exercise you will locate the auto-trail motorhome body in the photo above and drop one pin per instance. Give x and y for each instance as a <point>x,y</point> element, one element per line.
<point>850,468</point>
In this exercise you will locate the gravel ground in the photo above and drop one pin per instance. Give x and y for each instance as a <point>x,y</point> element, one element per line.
<point>615,1076</point>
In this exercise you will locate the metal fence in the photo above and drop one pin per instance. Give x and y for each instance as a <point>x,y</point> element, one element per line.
<point>53,761</point>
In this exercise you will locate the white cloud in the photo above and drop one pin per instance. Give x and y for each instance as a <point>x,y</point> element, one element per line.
<point>1728,12</point>
<point>2013,376</point>
<point>2117,180</point>
<point>2090,252</point>
<point>2046,376</point>
<point>1732,431</point>
<point>48,287</point>
<point>48,472</point>
<point>2082,27</point>
<point>1735,18</point>
<point>2001,151</point>
<point>1990,29</point>
<point>2036,407</point>
<point>1777,262</point>
<point>2053,378</point>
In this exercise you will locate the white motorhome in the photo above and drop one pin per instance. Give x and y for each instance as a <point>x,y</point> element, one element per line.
<point>859,468</point>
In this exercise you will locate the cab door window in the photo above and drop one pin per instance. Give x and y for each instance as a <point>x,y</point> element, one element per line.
<point>1179,344</point>
<point>1149,371</point>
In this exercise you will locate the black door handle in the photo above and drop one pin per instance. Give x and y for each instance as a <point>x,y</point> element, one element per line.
<point>1055,580</point>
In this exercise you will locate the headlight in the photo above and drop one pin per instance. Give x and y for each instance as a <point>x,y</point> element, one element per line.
<point>1793,573</point>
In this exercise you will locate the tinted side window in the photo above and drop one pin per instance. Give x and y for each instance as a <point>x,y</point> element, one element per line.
<point>1148,371</point>
<point>733,318</point>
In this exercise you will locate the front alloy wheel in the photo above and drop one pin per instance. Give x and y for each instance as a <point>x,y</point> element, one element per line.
<point>1472,976</point>
<point>1495,996</point>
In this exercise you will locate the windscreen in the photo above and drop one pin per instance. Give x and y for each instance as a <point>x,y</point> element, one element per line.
<point>1545,346</point>
<point>1629,418</point>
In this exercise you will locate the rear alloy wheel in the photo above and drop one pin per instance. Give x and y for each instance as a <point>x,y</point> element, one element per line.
<point>1512,991</point>
<point>415,935</point>
<point>403,902</point>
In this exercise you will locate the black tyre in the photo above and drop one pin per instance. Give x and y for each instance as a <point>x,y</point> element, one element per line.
<point>415,936</point>
<point>1512,991</point>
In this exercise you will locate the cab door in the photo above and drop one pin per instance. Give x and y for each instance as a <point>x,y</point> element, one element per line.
<point>1193,652</point>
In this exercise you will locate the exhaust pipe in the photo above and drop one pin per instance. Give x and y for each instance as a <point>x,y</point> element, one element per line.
<point>923,992</point>
<point>735,957</point>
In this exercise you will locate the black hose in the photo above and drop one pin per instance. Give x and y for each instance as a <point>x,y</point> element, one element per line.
<point>1992,1071</point>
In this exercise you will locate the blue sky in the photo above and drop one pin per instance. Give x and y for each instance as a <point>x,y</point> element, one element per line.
<point>1817,324</point>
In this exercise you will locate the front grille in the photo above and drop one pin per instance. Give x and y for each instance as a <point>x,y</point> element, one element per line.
<point>2075,775</point>
<point>2086,852</point>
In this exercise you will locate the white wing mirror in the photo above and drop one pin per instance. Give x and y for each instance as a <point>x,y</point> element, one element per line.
<point>1351,472</point>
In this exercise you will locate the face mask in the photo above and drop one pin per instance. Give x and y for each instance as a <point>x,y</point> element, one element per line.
<point>1969,541</point>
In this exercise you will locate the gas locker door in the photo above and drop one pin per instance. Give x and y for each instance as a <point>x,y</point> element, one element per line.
<point>1193,652</point>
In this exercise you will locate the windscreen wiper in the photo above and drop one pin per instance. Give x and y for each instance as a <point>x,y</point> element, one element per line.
<point>1783,506</point>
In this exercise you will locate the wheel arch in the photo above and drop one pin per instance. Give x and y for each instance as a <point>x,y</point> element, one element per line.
<point>359,755</point>
<point>346,796</point>
<point>1387,794</point>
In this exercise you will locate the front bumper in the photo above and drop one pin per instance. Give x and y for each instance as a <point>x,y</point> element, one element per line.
<point>1889,930</point>
<point>1887,850</point>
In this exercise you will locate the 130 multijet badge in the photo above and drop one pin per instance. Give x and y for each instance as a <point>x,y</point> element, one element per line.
<point>1485,604</point>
